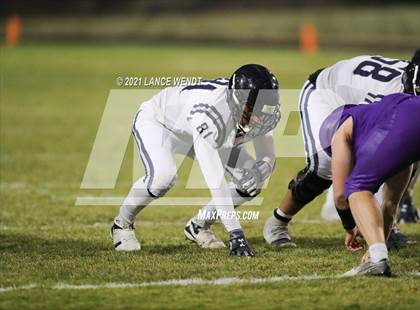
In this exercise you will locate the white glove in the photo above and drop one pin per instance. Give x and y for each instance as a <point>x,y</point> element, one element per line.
<point>249,180</point>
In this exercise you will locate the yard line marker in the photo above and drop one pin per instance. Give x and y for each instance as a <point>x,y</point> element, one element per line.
<point>175,282</point>
<point>179,282</point>
<point>16,288</point>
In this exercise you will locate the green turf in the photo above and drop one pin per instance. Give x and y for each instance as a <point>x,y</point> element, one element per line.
<point>52,99</point>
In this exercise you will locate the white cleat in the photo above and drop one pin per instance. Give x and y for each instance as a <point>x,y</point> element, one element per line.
<point>368,268</point>
<point>277,233</point>
<point>204,237</point>
<point>123,236</point>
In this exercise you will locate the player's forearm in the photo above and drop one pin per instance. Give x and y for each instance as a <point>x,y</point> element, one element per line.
<point>223,204</point>
<point>341,163</point>
<point>213,172</point>
<point>265,150</point>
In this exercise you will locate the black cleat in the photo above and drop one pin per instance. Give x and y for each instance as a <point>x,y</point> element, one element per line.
<point>397,239</point>
<point>408,213</point>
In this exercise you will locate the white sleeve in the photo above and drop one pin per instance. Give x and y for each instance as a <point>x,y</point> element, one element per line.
<point>265,149</point>
<point>207,122</point>
<point>213,172</point>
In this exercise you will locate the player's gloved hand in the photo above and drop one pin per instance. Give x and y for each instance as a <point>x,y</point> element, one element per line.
<point>238,244</point>
<point>351,242</point>
<point>248,181</point>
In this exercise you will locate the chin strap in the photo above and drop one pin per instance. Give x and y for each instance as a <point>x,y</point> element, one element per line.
<point>416,71</point>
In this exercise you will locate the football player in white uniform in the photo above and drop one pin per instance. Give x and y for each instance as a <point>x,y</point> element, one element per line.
<point>363,79</point>
<point>209,122</point>
<point>408,212</point>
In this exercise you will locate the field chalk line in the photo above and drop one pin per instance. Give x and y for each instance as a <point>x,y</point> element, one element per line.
<point>175,282</point>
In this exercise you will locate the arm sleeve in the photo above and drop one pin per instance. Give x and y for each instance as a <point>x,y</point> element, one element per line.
<point>265,150</point>
<point>213,172</point>
<point>207,122</point>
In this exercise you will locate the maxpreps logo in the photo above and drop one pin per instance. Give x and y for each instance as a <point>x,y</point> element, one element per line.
<point>228,215</point>
<point>114,133</point>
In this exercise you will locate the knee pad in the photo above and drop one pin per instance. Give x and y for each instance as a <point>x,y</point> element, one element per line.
<point>161,184</point>
<point>307,186</point>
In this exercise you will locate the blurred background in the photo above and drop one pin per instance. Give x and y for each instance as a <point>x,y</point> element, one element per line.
<point>373,24</point>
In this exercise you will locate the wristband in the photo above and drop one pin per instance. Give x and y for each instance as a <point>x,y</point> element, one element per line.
<point>346,218</point>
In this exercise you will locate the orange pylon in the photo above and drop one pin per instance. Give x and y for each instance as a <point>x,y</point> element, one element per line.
<point>308,39</point>
<point>13,31</point>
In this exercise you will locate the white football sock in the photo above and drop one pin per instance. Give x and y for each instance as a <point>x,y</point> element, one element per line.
<point>137,199</point>
<point>210,209</point>
<point>283,218</point>
<point>378,251</point>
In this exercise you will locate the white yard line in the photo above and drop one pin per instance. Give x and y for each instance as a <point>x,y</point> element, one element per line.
<point>176,282</point>
<point>17,288</point>
<point>172,282</point>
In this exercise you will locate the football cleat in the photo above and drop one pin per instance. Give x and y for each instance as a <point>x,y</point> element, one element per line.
<point>368,268</point>
<point>238,245</point>
<point>203,236</point>
<point>397,239</point>
<point>276,233</point>
<point>408,213</point>
<point>123,236</point>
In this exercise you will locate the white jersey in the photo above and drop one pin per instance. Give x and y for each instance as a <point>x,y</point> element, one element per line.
<point>362,79</point>
<point>199,115</point>
<point>202,108</point>
<point>359,80</point>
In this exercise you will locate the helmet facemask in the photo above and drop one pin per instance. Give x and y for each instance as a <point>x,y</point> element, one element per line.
<point>411,76</point>
<point>257,112</point>
<point>416,81</point>
<point>254,101</point>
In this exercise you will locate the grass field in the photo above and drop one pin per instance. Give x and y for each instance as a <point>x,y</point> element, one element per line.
<point>52,99</point>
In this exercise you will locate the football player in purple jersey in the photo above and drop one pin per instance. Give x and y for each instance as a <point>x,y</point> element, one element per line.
<point>371,145</point>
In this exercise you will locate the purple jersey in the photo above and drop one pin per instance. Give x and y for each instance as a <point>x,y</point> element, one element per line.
<point>386,139</point>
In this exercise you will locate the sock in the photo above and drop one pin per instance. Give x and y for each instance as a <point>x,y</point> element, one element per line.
<point>281,216</point>
<point>205,216</point>
<point>137,199</point>
<point>377,252</point>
